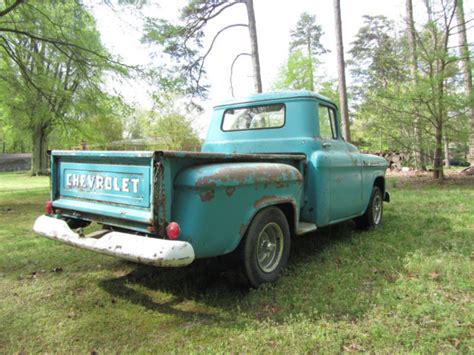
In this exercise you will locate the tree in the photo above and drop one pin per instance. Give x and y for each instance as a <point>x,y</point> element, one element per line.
<point>254,45</point>
<point>51,59</point>
<point>411,34</point>
<point>379,74</point>
<point>434,45</point>
<point>176,132</point>
<point>388,95</point>
<point>161,130</point>
<point>341,72</point>
<point>467,72</point>
<point>183,42</point>
<point>307,36</point>
<point>296,74</point>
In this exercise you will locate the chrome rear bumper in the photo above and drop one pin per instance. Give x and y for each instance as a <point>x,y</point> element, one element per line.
<point>140,249</point>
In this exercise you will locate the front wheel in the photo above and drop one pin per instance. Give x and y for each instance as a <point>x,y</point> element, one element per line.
<point>373,215</point>
<point>266,246</point>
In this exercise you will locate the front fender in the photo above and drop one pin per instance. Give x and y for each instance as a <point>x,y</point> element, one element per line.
<point>215,203</point>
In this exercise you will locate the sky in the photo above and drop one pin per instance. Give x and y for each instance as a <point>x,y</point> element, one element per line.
<point>121,32</point>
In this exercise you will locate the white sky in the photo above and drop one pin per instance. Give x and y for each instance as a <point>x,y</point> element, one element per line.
<point>120,32</point>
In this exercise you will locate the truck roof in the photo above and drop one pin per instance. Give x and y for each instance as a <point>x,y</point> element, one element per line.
<point>275,95</point>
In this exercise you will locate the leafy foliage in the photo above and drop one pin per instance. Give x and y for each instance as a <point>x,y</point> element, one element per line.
<point>296,74</point>
<point>307,36</point>
<point>52,65</point>
<point>169,130</point>
<point>387,100</point>
<point>305,46</point>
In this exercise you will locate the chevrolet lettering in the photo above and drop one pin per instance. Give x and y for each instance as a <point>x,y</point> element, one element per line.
<point>100,182</point>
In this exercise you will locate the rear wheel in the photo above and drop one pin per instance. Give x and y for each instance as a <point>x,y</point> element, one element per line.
<point>373,215</point>
<point>266,246</point>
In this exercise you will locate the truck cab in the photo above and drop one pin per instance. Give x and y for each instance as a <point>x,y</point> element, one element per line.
<point>337,176</point>
<point>272,166</point>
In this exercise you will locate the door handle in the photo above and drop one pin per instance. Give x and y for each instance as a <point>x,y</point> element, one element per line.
<point>326,144</point>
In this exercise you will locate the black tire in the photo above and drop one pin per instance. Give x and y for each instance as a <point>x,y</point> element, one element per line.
<point>372,217</point>
<point>266,247</point>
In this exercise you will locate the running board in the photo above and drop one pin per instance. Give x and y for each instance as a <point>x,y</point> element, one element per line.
<point>305,227</point>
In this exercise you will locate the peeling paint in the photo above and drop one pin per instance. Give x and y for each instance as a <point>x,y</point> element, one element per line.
<point>250,173</point>
<point>271,200</point>
<point>216,157</point>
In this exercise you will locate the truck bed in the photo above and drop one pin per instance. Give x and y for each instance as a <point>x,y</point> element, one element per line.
<point>124,189</point>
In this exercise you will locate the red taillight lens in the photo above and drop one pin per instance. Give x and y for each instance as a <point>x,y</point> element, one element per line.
<point>48,207</point>
<point>173,231</point>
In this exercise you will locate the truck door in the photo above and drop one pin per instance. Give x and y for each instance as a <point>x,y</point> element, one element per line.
<point>345,168</point>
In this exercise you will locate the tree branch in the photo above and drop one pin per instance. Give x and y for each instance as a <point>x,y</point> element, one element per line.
<point>232,70</point>
<point>63,43</point>
<point>11,7</point>
<point>203,58</point>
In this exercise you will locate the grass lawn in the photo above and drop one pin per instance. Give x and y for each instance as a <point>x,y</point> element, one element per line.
<point>407,286</point>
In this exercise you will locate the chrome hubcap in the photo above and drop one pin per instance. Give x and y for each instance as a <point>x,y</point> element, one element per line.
<point>269,247</point>
<point>377,208</point>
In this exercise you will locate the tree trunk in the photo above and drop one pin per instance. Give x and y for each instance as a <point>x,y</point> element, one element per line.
<point>438,153</point>
<point>418,151</point>
<point>254,46</point>
<point>311,65</point>
<point>381,141</point>
<point>446,152</point>
<point>465,61</point>
<point>39,159</point>
<point>341,72</point>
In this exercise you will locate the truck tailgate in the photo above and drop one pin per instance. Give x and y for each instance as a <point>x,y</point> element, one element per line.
<point>115,185</point>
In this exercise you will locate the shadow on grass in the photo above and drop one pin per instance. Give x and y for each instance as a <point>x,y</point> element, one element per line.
<point>215,282</point>
<point>337,271</point>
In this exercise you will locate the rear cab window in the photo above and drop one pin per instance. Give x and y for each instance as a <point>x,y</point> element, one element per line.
<point>254,117</point>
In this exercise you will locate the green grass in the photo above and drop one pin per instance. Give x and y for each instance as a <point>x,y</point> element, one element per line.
<point>405,287</point>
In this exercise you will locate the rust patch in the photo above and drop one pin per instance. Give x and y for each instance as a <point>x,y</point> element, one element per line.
<point>218,157</point>
<point>271,200</point>
<point>207,196</point>
<point>205,181</point>
<point>265,200</point>
<point>276,173</point>
<point>230,190</point>
<point>281,184</point>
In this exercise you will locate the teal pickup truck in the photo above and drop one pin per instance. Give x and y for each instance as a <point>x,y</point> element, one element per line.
<point>273,166</point>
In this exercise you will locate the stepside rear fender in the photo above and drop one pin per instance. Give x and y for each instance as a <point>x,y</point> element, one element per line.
<point>214,204</point>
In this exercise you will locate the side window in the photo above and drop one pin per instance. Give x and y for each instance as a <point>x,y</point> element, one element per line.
<point>327,123</point>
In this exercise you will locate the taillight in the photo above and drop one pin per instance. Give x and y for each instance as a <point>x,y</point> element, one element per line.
<point>173,231</point>
<point>48,207</point>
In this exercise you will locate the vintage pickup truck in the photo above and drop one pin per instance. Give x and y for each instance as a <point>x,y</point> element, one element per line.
<point>273,166</point>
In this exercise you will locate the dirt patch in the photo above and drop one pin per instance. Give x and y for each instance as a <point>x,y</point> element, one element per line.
<point>418,179</point>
